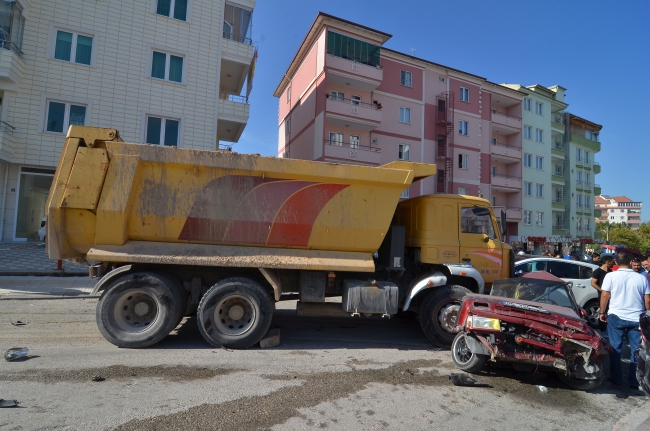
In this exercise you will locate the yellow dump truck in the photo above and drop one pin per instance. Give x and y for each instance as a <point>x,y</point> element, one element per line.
<point>171,231</point>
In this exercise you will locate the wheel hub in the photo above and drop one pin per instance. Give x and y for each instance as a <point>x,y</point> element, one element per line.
<point>236,312</point>
<point>234,315</point>
<point>135,311</point>
<point>448,318</point>
<point>141,308</point>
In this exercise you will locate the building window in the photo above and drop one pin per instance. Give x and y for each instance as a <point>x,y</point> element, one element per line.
<point>528,158</point>
<point>405,194</point>
<point>405,115</point>
<point>494,171</point>
<point>579,177</point>
<point>405,78</point>
<point>353,49</point>
<point>167,66</point>
<point>528,188</point>
<point>539,190</point>
<point>289,95</point>
<point>354,141</point>
<point>404,152</point>
<point>163,131</point>
<point>587,225</point>
<point>337,95</point>
<point>578,155</point>
<point>287,126</point>
<point>579,201</point>
<point>528,132</point>
<point>494,201</point>
<point>464,94</point>
<point>176,9</point>
<point>61,115</point>
<point>539,221</point>
<point>336,139</point>
<point>527,217</point>
<point>462,190</point>
<point>586,156</point>
<point>587,202</point>
<point>462,127</point>
<point>539,162</point>
<point>237,24</point>
<point>587,179</point>
<point>539,135</point>
<point>579,224</point>
<point>539,108</point>
<point>12,25</point>
<point>73,47</point>
<point>463,161</point>
<point>527,104</point>
<point>355,100</point>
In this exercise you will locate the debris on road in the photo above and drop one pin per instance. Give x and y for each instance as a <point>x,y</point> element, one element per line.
<point>8,403</point>
<point>18,323</point>
<point>97,378</point>
<point>271,339</point>
<point>16,353</point>
<point>467,380</point>
<point>542,389</point>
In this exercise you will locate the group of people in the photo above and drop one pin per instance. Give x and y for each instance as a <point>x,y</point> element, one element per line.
<point>623,287</point>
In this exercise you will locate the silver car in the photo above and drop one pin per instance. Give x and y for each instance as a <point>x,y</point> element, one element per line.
<point>577,272</point>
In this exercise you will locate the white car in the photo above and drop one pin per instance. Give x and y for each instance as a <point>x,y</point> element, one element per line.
<point>577,272</point>
<point>42,230</point>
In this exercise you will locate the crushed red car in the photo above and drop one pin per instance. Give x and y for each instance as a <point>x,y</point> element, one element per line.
<point>532,322</point>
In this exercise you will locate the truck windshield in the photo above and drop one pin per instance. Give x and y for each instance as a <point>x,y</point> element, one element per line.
<point>477,220</point>
<point>547,292</point>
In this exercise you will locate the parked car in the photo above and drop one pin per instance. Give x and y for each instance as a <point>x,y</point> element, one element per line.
<point>42,231</point>
<point>530,322</point>
<point>642,354</point>
<point>575,271</point>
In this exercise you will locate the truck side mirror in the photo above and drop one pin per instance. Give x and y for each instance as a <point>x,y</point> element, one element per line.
<point>486,238</point>
<point>503,222</point>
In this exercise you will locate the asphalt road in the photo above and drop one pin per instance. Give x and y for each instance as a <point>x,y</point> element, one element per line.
<point>361,374</point>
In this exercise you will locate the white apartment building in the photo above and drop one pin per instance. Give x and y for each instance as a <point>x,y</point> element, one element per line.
<point>163,72</point>
<point>619,209</point>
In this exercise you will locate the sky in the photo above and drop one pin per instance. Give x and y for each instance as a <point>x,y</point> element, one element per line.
<point>598,50</point>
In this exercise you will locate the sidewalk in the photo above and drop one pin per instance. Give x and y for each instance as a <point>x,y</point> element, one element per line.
<point>32,287</point>
<point>30,258</point>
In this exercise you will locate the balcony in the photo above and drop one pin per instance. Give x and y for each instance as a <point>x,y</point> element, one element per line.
<point>349,73</point>
<point>236,58</point>
<point>352,113</point>
<point>597,190</point>
<point>7,142</point>
<point>579,185</point>
<point>596,168</point>
<point>505,124</point>
<point>11,63</point>
<point>557,122</point>
<point>557,149</point>
<point>354,153</point>
<point>558,176</point>
<point>506,154</point>
<point>558,203</point>
<point>513,213</point>
<point>587,188</point>
<point>506,183</point>
<point>580,139</point>
<point>233,116</point>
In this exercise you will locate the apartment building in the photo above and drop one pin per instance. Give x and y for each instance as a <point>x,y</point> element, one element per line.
<point>163,72</point>
<point>345,98</point>
<point>618,209</point>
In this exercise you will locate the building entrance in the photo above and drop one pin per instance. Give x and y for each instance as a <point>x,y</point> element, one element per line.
<point>32,197</point>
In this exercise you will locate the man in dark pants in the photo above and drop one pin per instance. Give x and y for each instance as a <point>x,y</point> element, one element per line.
<point>606,263</point>
<point>628,295</point>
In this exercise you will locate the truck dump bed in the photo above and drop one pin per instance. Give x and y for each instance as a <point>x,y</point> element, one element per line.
<point>119,202</point>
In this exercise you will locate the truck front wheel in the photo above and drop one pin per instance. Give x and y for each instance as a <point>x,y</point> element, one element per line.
<point>235,313</point>
<point>439,316</point>
<point>139,309</point>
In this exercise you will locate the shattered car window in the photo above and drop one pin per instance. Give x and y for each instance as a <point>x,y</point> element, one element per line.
<point>543,291</point>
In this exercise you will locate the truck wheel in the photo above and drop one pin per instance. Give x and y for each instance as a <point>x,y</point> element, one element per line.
<point>235,313</point>
<point>439,315</point>
<point>463,357</point>
<point>139,309</point>
<point>581,384</point>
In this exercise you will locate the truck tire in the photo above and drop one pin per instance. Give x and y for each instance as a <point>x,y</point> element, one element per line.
<point>581,384</point>
<point>235,313</point>
<point>438,314</point>
<point>463,357</point>
<point>139,309</point>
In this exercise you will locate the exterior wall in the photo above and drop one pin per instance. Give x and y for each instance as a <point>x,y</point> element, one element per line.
<point>117,87</point>
<point>620,211</point>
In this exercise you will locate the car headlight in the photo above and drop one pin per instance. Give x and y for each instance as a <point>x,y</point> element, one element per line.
<point>478,322</point>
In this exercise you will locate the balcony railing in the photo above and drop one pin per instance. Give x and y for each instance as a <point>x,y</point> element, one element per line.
<point>225,147</point>
<point>6,128</point>
<point>559,172</point>
<point>558,200</point>
<point>557,145</point>
<point>558,226</point>
<point>233,98</point>
<point>7,44</point>
<point>237,38</point>
<point>500,144</point>
<point>354,102</point>
<point>583,134</point>
<point>558,118</point>
<point>353,146</point>
<point>494,111</point>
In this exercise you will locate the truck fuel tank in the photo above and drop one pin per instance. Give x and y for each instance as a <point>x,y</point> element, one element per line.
<point>370,297</point>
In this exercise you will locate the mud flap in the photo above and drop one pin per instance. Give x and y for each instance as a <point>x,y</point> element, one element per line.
<point>578,360</point>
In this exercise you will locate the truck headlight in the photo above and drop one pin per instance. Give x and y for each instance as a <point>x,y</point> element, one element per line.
<point>478,322</point>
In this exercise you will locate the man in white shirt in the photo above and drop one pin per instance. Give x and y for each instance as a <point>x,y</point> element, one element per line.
<point>628,294</point>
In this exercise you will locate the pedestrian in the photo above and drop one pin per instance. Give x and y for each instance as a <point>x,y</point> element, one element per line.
<point>597,281</point>
<point>595,257</point>
<point>567,256</point>
<point>628,295</point>
<point>547,253</point>
<point>558,255</point>
<point>635,263</point>
<point>645,263</point>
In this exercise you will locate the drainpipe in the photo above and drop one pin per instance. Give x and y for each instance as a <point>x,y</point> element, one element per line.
<point>4,198</point>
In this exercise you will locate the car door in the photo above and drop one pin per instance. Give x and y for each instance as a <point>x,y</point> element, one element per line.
<point>568,271</point>
<point>584,289</point>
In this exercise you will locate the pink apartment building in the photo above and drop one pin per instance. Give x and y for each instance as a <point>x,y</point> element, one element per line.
<point>347,99</point>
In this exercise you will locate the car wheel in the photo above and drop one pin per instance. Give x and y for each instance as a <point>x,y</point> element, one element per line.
<point>592,308</point>
<point>581,384</point>
<point>463,357</point>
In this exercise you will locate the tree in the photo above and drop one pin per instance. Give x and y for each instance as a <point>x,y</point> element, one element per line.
<point>622,234</point>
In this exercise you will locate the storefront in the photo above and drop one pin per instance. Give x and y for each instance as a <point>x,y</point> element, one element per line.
<point>33,189</point>
<point>554,244</point>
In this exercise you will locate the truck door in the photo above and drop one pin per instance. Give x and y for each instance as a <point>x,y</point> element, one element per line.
<point>477,245</point>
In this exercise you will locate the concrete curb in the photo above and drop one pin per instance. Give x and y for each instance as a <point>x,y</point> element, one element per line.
<point>42,274</point>
<point>37,296</point>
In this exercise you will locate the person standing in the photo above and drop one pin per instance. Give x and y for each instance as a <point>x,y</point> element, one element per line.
<point>645,263</point>
<point>597,281</point>
<point>628,295</point>
<point>595,257</point>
